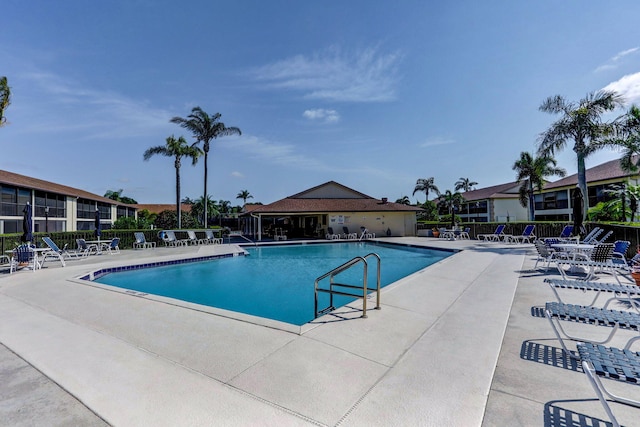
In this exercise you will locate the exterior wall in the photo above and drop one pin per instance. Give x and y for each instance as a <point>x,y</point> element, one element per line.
<point>509,210</point>
<point>399,223</point>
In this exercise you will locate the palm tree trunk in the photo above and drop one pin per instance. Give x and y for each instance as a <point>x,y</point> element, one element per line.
<point>206,214</point>
<point>582,183</point>
<point>178,210</point>
<point>532,213</point>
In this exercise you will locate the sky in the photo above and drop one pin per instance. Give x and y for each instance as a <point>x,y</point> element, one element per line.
<point>373,95</point>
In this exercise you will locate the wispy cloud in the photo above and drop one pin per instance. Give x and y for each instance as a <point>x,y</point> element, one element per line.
<point>628,86</point>
<point>237,174</point>
<point>91,114</point>
<point>363,76</point>
<point>272,152</point>
<point>613,62</point>
<point>437,140</point>
<point>322,115</point>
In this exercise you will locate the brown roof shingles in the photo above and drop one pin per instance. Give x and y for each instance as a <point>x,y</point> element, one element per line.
<point>290,205</point>
<point>17,180</point>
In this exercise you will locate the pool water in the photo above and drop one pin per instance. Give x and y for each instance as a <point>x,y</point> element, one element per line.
<point>276,282</point>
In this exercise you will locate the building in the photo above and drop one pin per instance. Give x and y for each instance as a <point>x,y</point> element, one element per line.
<point>56,207</point>
<point>500,203</point>
<point>330,205</point>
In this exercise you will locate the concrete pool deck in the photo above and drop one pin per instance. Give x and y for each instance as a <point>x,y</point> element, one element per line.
<point>455,345</point>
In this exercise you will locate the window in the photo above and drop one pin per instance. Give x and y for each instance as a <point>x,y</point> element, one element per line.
<point>13,200</point>
<point>86,209</point>
<point>55,202</point>
<point>553,200</point>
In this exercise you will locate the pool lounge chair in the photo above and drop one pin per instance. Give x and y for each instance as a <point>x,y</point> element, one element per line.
<point>193,239</point>
<point>211,239</point>
<point>526,236</point>
<point>624,293</point>
<point>331,235</point>
<point>171,240</point>
<point>347,235</point>
<point>497,235</point>
<point>112,247</point>
<point>616,319</point>
<point>614,363</point>
<point>85,249</point>
<point>547,254</point>
<point>55,251</point>
<point>141,241</point>
<point>366,234</point>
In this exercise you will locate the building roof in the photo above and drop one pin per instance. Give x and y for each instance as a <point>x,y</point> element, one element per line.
<point>603,172</point>
<point>331,197</point>
<point>501,191</point>
<point>28,182</point>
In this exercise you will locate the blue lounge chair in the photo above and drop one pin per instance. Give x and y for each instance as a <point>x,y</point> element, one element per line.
<point>55,251</point>
<point>495,237</point>
<point>112,247</point>
<point>527,235</point>
<point>331,235</point>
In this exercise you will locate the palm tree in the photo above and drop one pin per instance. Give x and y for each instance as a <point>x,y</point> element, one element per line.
<point>451,201</point>
<point>425,185</point>
<point>177,148</point>
<point>531,173</point>
<point>118,197</point>
<point>197,208</point>
<point>205,128</point>
<point>465,184</point>
<point>244,195</point>
<point>5,98</point>
<point>582,123</point>
<point>627,137</point>
<point>404,200</point>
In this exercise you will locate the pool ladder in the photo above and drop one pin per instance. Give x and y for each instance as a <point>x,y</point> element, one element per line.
<point>343,287</point>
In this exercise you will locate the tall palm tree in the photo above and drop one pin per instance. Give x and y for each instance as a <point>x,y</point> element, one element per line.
<point>205,128</point>
<point>426,185</point>
<point>244,195</point>
<point>176,148</point>
<point>465,184</point>
<point>582,123</point>
<point>452,202</point>
<point>5,98</point>
<point>531,173</point>
<point>197,208</point>
<point>627,137</point>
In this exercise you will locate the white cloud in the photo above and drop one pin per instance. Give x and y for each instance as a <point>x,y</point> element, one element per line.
<point>267,151</point>
<point>437,140</point>
<point>326,116</point>
<point>628,86</point>
<point>237,174</point>
<point>89,113</point>
<point>612,62</point>
<point>363,76</point>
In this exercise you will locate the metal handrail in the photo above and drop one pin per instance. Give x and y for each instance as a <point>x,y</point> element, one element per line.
<point>347,265</point>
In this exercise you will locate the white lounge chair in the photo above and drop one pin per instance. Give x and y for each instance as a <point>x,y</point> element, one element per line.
<point>171,240</point>
<point>141,241</point>
<point>347,235</point>
<point>211,239</point>
<point>193,239</point>
<point>526,236</point>
<point>331,235</point>
<point>497,235</point>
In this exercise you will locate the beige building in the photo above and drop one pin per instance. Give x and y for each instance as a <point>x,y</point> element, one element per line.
<point>56,207</point>
<point>313,212</point>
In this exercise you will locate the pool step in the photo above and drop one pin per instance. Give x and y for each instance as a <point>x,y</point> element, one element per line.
<point>326,310</point>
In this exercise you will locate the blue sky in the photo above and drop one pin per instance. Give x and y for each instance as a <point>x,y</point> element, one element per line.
<point>373,95</point>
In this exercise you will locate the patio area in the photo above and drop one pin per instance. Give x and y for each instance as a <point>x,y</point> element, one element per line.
<point>455,344</point>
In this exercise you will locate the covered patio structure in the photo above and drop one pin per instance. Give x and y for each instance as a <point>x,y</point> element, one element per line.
<point>311,213</point>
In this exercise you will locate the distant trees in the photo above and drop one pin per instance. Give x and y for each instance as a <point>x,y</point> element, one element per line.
<point>451,201</point>
<point>205,128</point>
<point>176,148</point>
<point>118,197</point>
<point>5,99</point>
<point>581,123</point>
<point>404,200</point>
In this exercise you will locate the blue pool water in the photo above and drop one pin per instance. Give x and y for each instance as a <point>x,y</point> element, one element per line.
<point>276,282</point>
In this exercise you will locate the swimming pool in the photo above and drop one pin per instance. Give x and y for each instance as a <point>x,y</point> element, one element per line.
<point>274,282</point>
